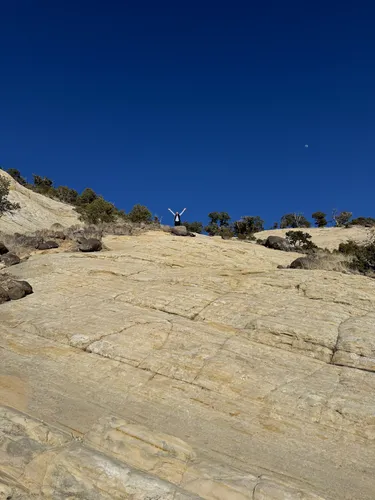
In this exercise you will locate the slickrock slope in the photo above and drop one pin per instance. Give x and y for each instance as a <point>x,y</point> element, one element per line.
<point>187,368</point>
<point>36,212</point>
<point>327,237</point>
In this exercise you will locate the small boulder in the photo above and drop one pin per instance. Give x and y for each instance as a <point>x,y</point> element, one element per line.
<point>4,297</point>
<point>10,259</point>
<point>278,243</point>
<point>57,235</point>
<point>18,289</point>
<point>180,231</point>
<point>89,245</point>
<point>301,263</point>
<point>3,249</point>
<point>47,245</point>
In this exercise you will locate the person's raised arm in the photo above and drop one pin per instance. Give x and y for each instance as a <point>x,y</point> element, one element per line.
<point>183,211</point>
<point>171,211</point>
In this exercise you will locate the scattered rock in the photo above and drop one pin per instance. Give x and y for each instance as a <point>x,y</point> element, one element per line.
<point>27,241</point>
<point>180,231</point>
<point>3,249</point>
<point>89,245</point>
<point>57,235</point>
<point>303,263</point>
<point>4,297</point>
<point>10,259</point>
<point>18,289</point>
<point>47,245</point>
<point>193,235</point>
<point>278,243</point>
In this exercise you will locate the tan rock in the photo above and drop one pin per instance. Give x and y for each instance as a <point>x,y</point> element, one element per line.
<point>187,368</point>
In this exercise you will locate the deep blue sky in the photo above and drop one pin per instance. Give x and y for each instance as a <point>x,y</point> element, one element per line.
<point>203,104</point>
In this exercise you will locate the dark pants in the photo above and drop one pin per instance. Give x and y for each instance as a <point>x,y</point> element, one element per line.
<point>177,223</point>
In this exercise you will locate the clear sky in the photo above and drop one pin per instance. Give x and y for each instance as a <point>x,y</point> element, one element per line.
<point>200,104</point>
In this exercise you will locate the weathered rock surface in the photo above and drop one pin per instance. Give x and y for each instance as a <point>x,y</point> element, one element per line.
<point>178,368</point>
<point>36,212</point>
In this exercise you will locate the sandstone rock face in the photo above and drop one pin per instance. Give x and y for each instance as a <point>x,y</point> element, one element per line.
<point>36,212</point>
<point>181,368</point>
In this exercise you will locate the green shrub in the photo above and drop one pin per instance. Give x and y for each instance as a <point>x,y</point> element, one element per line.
<point>212,229</point>
<point>67,195</point>
<point>16,174</point>
<point>320,219</point>
<point>363,256</point>
<point>194,227</point>
<point>363,221</point>
<point>226,233</point>
<point>42,185</point>
<point>87,196</point>
<point>219,218</point>
<point>294,220</point>
<point>97,211</point>
<point>341,219</point>
<point>140,213</point>
<point>300,240</point>
<point>5,205</point>
<point>247,226</point>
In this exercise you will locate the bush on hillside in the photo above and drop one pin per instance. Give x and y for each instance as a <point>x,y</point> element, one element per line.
<point>67,195</point>
<point>341,219</point>
<point>320,219</point>
<point>6,206</point>
<point>87,196</point>
<point>247,226</point>
<point>16,174</point>
<point>194,227</point>
<point>363,221</point>
<point>219,218</point>
<point>363,256</point>
<point>97,211</point>
<point>212,229</point>
<point>226,233</point>
<point>294,220</point>
<point>300,240</point>
<point>140,213</point>
<point>42,184</point>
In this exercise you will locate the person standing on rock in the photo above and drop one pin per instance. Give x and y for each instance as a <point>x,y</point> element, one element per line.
<point>177,217</point>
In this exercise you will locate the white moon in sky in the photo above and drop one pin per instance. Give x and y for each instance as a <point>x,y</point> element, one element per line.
<point>306,145</point>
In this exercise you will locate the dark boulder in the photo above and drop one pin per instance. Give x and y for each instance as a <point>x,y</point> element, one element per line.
<point>180,231</point>
<point>301,263</point>
<point>57,235</point>
<point>4,297</point>
<point>89,245</point>
<point>10,259</point>
<point>47,245</point>
<point>3,249</point>
<point>26,241</point>
<point>18,289</point>
<point>278,243</point>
